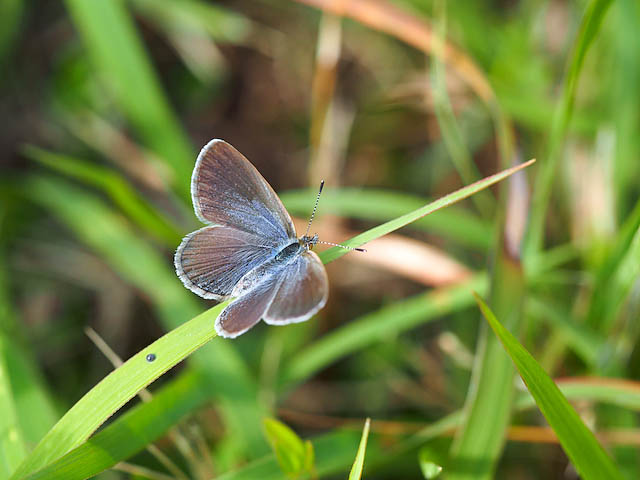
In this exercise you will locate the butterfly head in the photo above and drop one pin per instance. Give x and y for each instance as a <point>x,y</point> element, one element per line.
<point>308,242</point>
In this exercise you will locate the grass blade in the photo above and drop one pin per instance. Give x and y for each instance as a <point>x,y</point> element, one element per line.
<point>454,222</point>
<point>490,393</point>
<point>603,285</point>
<point>294,455</point>
<point>581,446</point>
<point>119,387</point>
<point>358,464</point>
<point>28,409</point>
<point>131,432</point>
<point>12,447</point>
<point>402,221</point>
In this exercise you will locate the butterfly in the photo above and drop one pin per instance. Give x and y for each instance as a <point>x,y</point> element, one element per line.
<point>249,249</point>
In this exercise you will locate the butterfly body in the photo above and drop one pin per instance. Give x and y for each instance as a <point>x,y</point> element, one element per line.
<point>249,250</point>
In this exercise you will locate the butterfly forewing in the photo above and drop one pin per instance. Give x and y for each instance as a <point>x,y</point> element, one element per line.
<point>228,190</point>
<point>212,260</point>
<point>303,290</point>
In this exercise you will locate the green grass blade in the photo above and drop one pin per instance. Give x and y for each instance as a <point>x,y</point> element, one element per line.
<point>114,46</point>
<point>12,446</point>
<point>392,225</point>
<point>428,467</point>
<point>621,284</point>
<point>581,446</point>
<point>454,222</point>
<point>119,387</point>
<point>478,444</point>
<point>121,192</point>
<point>29,410</point>
<point>131,432</point>
<point>290,450</point>
<point>612,262</point>
<point>596,10</point>
<point>358,464</point>
<point>378,326</point>
<point>34,405</point>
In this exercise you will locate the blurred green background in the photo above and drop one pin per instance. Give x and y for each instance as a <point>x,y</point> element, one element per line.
<point>104,105</point>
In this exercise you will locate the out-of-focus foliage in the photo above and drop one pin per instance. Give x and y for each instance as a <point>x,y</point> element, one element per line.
<point>104,105</point>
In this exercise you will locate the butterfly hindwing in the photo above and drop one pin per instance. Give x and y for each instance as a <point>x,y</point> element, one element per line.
<point>303,290</point>
<point>247,310</point>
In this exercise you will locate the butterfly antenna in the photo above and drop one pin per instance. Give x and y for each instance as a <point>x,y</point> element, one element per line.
<point>343,246</point>
<point>315,207</point>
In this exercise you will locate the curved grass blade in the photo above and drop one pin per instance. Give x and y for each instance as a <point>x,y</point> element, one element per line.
<point>581,446</point>
<point>28,411</point>
<point>130,433</point>
<point>454,222</point>
<point>12,446</point>
<point>358,464</point>
<point>392,225</point>
<point>603,284</point>
<point>119,387</point>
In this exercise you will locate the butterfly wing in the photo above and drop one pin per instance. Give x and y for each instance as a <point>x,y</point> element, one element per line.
<point>226,189</point>
<point>302,291</point>
<point>247,310</point>
<point>210,261</point>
